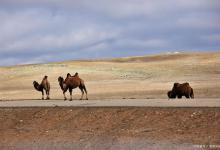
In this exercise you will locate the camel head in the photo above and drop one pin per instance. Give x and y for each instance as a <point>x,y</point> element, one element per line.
<point>171,94</point>
<point>45,77</point>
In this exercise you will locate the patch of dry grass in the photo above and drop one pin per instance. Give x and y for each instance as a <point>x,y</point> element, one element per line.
<point>138,77</point>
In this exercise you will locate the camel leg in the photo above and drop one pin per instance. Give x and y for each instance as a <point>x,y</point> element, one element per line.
<point>86,97</point>
<point>191,94</point>
<point>71,90</point>
<point>64,96</point>
<point>84,87</point>
<point>180,96</point>
<point>47,92</point>
<point>81,88</point>
<point>42,94</point>
<point>64,91</point>
<point>187,96</point>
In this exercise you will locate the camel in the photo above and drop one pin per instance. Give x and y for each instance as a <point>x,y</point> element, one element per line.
<point>45,85</point>
<point>180,90</point>
<point>70,83</point>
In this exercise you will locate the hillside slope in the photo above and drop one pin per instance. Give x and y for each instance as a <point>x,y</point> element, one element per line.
<point>132,77</point>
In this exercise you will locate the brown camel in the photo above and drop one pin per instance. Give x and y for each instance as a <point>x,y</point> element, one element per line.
<point>180,90</point>
<point>72,82</point>
<point>45,85</point>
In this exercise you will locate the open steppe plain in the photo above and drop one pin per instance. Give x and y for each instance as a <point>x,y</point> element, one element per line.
<point>146,78</point>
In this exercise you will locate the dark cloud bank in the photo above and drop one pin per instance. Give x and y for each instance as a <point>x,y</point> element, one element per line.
<point>52,30</point>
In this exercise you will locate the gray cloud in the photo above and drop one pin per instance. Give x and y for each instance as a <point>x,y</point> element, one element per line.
<point>51,30</point>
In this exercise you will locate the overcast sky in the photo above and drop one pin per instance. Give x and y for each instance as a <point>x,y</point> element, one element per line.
<point>38,31</point>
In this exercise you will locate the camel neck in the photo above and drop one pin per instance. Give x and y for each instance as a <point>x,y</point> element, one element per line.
<point>37,87</point>
<point>61,85</point>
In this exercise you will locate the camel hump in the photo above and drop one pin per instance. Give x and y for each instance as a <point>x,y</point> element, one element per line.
<point>186,83</point>
<point>68,75</point>
<point>176,84</point>
<point>76,74</point>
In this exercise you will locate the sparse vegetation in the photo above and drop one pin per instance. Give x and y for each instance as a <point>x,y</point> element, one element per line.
<point>139,77</point>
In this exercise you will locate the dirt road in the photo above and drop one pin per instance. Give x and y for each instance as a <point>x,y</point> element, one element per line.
<point>114,103</point>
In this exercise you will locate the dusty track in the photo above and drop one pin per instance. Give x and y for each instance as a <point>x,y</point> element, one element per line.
<point>115,103</point>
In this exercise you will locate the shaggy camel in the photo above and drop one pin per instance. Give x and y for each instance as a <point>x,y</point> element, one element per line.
<point>180,90</point>
<point>72,82</point>
<point>45,85</point>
